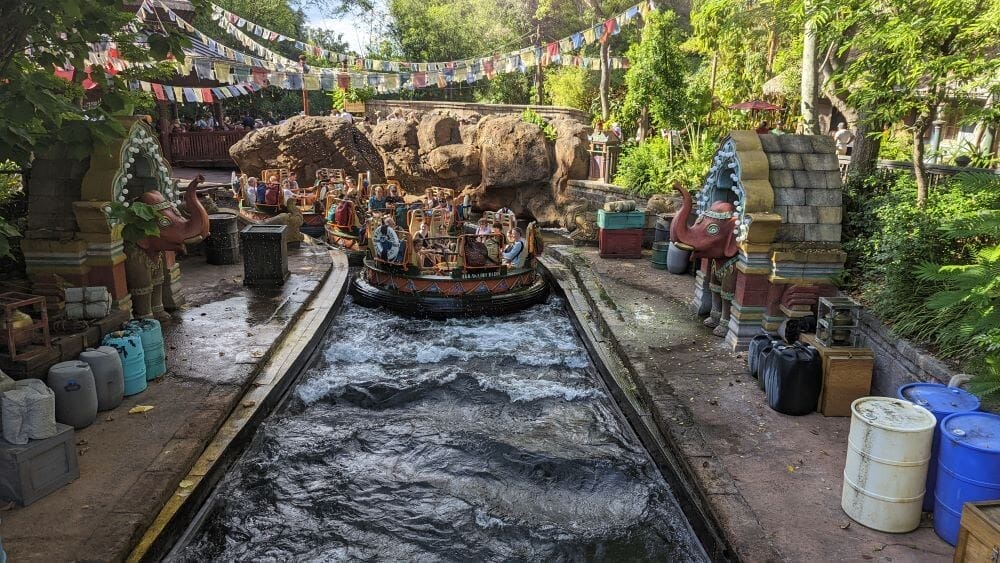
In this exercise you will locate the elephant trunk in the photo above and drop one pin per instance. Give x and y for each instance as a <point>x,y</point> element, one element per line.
<point>679,226</point>
<point>197,226</point>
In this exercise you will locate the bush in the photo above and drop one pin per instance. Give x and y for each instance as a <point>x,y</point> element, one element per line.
<point>654,166</point>
<point>530,116</point>
<point>888,238</point>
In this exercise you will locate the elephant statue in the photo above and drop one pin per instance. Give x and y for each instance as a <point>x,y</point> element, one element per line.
<point>145,268</point>
<point>713,237</point>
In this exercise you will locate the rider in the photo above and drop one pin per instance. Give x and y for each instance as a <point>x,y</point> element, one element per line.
<point>515,253</point>
<point>377,202</point>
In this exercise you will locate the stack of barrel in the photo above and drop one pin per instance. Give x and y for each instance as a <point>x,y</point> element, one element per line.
<point>620,230</point>
<point>930,449</point>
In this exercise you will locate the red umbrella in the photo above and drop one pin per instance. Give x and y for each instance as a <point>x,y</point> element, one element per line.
<point>755,105</point>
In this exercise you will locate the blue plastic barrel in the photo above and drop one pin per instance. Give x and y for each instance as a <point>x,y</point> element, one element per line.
<point>129,347</point>
<point>152,345</point>
<point>941,400</point>
<point>968,468</point>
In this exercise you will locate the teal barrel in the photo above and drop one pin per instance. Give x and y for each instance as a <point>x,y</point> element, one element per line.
<point>659,257</point>
<point>151,334</point>
<point>129,347</point>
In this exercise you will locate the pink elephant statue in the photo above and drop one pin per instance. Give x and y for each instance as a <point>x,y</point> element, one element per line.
<point>712,236</point>
<point>145,267</point>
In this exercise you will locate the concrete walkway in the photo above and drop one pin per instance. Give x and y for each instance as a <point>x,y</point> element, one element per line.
<point>771,482</point>
<point>130,464</point>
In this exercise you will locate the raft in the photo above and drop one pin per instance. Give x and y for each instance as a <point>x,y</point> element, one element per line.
<point>443,296</point>
<point>355,249</point>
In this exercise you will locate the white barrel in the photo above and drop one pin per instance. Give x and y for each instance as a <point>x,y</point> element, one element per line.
<point>888,450</point>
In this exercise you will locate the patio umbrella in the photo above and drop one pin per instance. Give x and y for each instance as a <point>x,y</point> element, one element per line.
<point>755,105</point>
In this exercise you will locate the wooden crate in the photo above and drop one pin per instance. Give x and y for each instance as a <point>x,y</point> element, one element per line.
<point>847,375</point>
<point>979,536</point>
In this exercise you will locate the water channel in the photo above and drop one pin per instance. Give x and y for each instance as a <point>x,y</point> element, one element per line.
<point>459,440</point>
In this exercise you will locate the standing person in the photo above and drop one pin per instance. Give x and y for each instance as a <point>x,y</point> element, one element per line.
<point>346,116</point>
<point>763,128</point>
<point>248,122</point>
<point>843,138</point>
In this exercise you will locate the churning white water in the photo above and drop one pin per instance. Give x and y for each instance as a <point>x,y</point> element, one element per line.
<point>487,439</point>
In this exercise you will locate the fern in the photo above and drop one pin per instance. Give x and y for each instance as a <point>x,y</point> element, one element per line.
<point>986,383</point>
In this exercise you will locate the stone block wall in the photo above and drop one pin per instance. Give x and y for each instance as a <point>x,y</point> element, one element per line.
<point>805,177</point>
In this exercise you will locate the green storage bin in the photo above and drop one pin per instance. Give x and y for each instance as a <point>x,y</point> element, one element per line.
<point>623,220</point>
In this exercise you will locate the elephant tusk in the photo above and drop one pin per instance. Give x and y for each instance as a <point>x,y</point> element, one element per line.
<point>682,246</point>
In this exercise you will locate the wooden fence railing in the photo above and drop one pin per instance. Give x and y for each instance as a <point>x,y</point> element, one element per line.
<point>203,148</point>
<point>935,172</point>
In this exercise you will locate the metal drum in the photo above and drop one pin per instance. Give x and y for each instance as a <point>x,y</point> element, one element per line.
<point>223,243</point>
<point>678,260</point>
<point>888,448</point>
<point>941,400</point>
<point>659,257</point>
<point>662,227</point>
<point>968,468</point>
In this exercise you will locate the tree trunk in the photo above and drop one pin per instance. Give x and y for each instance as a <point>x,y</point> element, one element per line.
<point>539,75</point>
<point>919,172</point>
<point>605,79</point>
<point>810,123</point>
<point>643,125</point>
<point>864,155</point>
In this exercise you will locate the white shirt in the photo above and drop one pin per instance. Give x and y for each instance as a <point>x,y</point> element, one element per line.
<point>842,137</point>
<point>347,116</point>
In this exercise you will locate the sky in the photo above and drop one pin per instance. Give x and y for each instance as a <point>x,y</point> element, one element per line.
<point>357,29</point>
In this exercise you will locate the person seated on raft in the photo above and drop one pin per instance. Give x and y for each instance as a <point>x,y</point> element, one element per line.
<point>484,227</point>
<point>386,240</point>
<point>250,192</point>
<point>272,193</point>
<point>515,253</point>
<point>422,246</point>
<point>293,183</point>
<point>447,247</point>
<point>378,200</point>
<point>350,188</point>
<point>393,198</point>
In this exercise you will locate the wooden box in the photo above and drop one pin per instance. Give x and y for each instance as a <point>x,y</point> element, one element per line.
<point>847,375</point>
<point>979,536</point>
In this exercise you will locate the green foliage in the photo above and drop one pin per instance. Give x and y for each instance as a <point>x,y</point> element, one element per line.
<point>908,57</point>
<point>277,15</point>
<point>530,116</point>
<point>38,108</point>
<point>10,184</point>
<point>140,219</point>
<point>656,79</point>
<point>8,233</point>
<point>986,382</point>
<point>571,86</point>
<point>896,145</point>
<point>654,165</point>
<point>888,237</point>
<point>512,88</point>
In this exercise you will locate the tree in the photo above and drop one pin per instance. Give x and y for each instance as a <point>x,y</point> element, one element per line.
<point>38,108</point>
<point>809,93</point>
<point>903,61</point>
<point>570,86</point>
<point>656,80</point>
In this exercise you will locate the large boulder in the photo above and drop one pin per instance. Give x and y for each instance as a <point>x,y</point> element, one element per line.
<point>305,144</point>
<point>396,141</point>
<point>455,162</point>
<point>514,152</point>
<point>436,130</point>
<point>572,158</point>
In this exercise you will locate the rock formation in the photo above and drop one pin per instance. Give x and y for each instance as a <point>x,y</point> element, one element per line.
<point>305,144</point>
<point>502,161</point>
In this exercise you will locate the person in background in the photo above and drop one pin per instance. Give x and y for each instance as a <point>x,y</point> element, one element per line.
<point>616,129</point>
<point>248,122</point>
<point>484,228</point>
<point>777,129</point>
<point>763,128</point>
<point>346,116</point>
<point>251,190</point>
<point>377,201</point>
<point>843,138</point>
<point>393,198</point>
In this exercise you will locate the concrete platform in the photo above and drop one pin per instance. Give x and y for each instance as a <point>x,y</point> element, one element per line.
<point>770,484</point>
<point>130,464</point>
